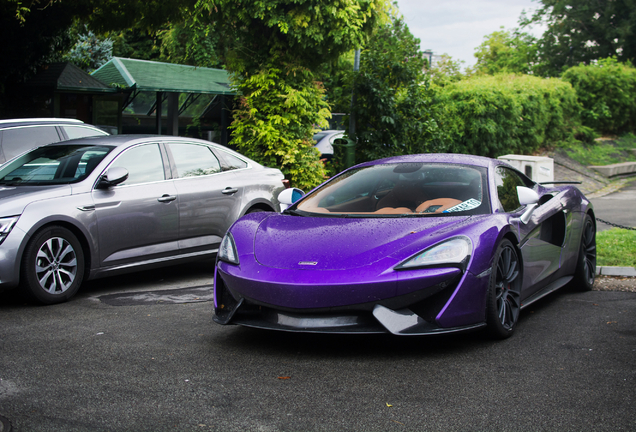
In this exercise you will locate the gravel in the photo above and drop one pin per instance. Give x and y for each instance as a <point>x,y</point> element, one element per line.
<point>615,283</point>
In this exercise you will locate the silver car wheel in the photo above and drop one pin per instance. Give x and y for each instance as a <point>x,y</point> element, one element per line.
<point>56,265</point>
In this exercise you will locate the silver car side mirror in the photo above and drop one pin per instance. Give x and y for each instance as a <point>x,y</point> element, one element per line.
<point>289,196</point>
<point>112,177</point>
<point>529,198</point>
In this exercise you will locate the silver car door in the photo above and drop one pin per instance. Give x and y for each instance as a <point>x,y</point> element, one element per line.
<point>137,220</point>
<point>209,200</point>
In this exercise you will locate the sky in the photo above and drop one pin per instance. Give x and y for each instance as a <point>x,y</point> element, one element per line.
<point>457,27</point>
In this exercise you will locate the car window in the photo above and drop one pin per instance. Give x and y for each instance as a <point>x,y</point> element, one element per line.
<point>82,131</point>
<point>144,164</point>
<point>507,181</point>
<point>19,140</point>
<point>232,162</point>
<point>194,160</point>
<point>58,164</point>
<point>400,189</point>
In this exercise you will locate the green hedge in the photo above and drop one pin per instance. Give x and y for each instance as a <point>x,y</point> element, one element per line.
<point>607,92</point>
<point>496,115</point>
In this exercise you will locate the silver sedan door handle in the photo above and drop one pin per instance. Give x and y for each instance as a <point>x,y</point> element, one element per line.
<point>167,198</point>
<point>229,191</point>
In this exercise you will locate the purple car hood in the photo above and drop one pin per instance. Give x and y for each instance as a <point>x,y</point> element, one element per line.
<point>290,242</point>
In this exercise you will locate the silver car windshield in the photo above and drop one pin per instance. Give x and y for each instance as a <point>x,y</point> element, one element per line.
<point>51,165</point>
<point>402,189</point>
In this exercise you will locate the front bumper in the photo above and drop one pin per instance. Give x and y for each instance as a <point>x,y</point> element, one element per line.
<point>10,251</point>
<point>420,302</point>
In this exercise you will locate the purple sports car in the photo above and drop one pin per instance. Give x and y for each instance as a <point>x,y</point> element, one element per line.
<point>409,245</point>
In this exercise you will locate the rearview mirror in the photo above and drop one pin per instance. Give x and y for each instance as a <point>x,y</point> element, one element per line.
<point>289,196</point>
<point>112,177</point>
<point>527,195</point>
<point>529,198</point>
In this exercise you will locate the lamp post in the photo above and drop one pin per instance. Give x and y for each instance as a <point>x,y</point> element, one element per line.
<point>350,155</point>
<point>352,115</point>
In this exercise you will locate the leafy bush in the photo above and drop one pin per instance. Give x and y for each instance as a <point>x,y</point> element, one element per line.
<point>607,92</point>
<point>495,115</point>
<point>274,122</point>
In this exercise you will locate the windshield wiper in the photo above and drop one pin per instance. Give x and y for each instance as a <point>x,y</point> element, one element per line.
<point>11,182</point>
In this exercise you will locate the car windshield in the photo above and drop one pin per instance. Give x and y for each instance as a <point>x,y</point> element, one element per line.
<point>51,165</point>
<point>401,189</point>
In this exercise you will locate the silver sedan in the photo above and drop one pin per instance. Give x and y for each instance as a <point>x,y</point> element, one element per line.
<point>101,206</point>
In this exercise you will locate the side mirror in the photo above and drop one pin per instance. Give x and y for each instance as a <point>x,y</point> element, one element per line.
<point>527,196</point>
<point>289,196</point>
<point>112,177</point>
<point>530,198</point>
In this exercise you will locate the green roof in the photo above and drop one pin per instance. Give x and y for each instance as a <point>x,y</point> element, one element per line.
<point>144,75</point>
<point>67,76</point>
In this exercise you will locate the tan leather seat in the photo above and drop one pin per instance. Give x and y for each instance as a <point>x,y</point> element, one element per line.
<point>392,210</point>
<point>437,205</point>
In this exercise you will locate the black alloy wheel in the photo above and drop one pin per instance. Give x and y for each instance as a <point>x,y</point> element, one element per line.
<point>585,272</point>
<point>504,292</point>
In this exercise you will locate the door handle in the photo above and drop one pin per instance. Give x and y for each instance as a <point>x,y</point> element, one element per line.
<point>229,191</point>
<point>167,198</point>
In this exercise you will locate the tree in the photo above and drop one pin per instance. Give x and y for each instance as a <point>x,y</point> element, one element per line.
<point>90,51</point>
<point>392,106</point>
<point>581,31</point>
<point>337,77</point>
<point>506,51</point>
<point>37,32</point>
<point>137,43</point>
<point>101,15</point>
<point>447,71</point>
<point>191,42</point>
<point>271,48</point>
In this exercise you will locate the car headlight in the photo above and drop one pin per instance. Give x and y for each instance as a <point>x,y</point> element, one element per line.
<point>454,251</point>
<point>227,250</point>
<point>6,224</point>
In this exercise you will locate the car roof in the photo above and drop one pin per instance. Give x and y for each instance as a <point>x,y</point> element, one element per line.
<point>133,139</point>
<point>37,121</point>
<point>453,158</point>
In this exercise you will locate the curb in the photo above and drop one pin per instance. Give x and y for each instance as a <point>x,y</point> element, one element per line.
<point>616,271</point>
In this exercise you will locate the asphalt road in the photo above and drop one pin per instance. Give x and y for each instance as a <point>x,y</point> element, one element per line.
<point>618,208</point>
<point>141,353</point>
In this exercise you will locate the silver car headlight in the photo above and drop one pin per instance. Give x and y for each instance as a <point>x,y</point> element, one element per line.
<point>227,250</point>
<point>6,225</point>
<point>455,252</point>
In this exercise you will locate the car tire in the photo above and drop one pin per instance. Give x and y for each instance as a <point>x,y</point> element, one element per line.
<point>53,266</point>
<point>503,302</point>
<point>585,272</point>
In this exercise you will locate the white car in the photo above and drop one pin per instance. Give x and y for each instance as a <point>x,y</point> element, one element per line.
<point>20,135</point>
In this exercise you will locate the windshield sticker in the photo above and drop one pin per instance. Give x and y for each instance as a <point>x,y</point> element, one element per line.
<point>466,205</point>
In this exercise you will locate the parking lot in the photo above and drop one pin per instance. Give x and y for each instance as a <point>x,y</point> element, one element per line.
<point>141,353</point>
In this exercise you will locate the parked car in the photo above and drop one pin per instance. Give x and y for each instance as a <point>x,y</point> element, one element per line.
<point>100,206</point>
<point>410,245</point>
<point>326,139</point>
<point>20,135</point>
